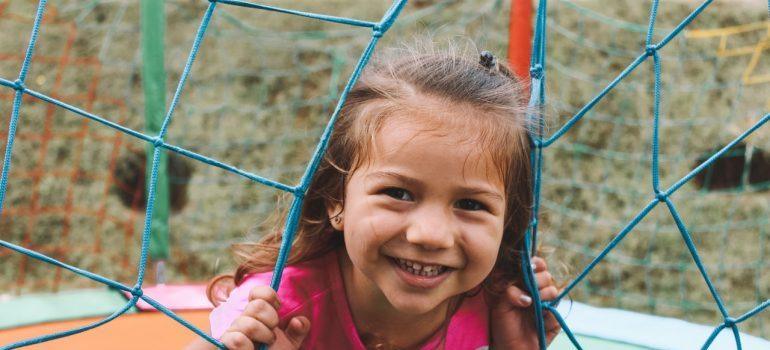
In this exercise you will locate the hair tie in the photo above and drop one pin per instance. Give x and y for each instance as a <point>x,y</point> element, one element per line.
<point>487,60</point>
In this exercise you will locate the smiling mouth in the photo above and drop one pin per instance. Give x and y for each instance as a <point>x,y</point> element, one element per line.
<point>418,269</point>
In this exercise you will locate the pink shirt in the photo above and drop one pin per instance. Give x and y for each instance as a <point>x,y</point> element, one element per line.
<point>314,289</point>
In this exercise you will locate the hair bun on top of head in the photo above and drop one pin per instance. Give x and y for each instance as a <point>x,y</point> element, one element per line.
<point>487,60</point>
<point>490,63</point>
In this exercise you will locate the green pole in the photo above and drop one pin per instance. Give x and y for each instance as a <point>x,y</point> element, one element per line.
<point>154,84</point>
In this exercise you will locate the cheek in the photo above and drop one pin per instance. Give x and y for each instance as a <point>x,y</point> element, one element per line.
<point>482,250</point>
<point>370,229</point>
<point>488,255</point>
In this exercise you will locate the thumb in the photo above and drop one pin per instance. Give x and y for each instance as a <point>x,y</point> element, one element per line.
<point>297,330</point>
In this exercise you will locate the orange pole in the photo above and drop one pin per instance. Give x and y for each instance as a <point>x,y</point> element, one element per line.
<point>520,37</point>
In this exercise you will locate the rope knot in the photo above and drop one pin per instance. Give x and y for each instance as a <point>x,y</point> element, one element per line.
<point>536,72</point>
<point>650,49</point>
<point>377,31</point>
<point>18,85</point>
<point>661,196</point>
<point>137,291</point>
<point>729,322</point>
<point>157,141</point>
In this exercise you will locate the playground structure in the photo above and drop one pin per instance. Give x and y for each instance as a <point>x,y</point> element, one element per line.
<point>596,151</point>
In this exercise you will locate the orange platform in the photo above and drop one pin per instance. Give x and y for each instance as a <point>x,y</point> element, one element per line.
<point>144,330</point>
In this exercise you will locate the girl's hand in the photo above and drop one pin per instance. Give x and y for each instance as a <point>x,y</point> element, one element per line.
<point>259,324</point>
<point>512,322</point>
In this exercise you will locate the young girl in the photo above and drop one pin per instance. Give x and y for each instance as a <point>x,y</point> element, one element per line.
<point>410,231</point>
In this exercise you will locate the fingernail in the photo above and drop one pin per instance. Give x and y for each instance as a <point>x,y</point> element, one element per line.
<point>525,299</point>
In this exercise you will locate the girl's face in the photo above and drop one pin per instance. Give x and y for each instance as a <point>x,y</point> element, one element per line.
<point>423,216</point>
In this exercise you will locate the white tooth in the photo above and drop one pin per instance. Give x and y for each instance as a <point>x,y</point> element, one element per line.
<point>408,263</point>
<point>416,266</point>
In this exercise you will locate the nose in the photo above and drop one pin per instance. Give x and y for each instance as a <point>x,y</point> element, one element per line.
<point>432,228</point>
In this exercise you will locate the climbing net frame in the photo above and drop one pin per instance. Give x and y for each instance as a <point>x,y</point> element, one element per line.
<point>378,29</point>
<point>659,194</point>
<point>158,144</point>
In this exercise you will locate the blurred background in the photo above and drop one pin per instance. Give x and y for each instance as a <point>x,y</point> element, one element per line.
<point>265,83</point>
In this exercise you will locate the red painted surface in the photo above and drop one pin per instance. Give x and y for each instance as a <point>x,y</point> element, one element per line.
<point>520,37</point>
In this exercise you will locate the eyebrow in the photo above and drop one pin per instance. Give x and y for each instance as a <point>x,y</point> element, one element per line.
<point>417,183</point>
<point>395,176</point>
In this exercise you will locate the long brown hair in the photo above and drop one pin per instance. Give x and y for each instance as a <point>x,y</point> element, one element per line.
<point>395,80</point>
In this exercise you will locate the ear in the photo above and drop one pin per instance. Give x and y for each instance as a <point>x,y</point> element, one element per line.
<point>335,211</point>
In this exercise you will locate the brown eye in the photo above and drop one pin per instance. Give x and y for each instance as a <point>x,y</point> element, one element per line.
<point>469,204</point>
<point>398,193</point>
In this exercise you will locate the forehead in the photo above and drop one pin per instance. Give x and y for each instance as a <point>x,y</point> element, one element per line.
<point>398,132</point>
<point>440,145</point>
<point>428,118</point>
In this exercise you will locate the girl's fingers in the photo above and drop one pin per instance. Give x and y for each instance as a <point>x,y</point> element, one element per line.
<point>262,311</point>
<point>544,279</point>
<point>297,330</point>
<point>552,327</point>
<point>236,341</point>
<point>254,330</point>
<point>518,297</point>
<point>265,293</point>
<point>219,289</point>
<point>539,264</point>
<point>549,293</point>
<point>551,324</point>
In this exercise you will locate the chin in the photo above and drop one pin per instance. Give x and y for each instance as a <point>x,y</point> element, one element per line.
<point>414,304</point>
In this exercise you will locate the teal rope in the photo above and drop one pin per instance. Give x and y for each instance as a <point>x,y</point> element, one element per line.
<point>325,18</point>
<point>378,29</point>
<point>18,85</point>
<point>45,338</point>
<point>537,99</point>
<point>536,103</point>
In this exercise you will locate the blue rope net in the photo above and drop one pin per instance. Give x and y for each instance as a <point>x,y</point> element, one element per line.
<point>158,143</point>
<point>595,177</point>
<point>658,194</point>
<point>250,101</point>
